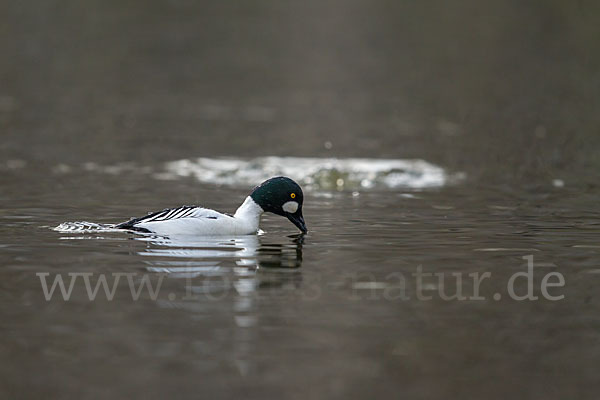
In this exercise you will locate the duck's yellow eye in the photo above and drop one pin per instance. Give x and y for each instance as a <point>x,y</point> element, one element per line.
<point>293,195</point>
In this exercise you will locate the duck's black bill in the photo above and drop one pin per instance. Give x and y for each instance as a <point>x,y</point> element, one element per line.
<point>298,220</point>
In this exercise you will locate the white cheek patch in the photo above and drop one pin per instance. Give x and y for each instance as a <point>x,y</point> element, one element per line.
<point>290,207</point>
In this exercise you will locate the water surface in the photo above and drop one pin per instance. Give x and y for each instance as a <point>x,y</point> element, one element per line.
<point>276,311</point>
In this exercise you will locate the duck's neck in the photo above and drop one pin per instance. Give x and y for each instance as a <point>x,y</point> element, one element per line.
<point>250,212</point>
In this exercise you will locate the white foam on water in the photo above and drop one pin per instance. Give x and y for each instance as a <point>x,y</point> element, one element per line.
<point>313,173</point>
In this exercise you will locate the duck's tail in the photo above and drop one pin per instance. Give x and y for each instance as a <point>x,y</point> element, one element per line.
<point>85,227</point>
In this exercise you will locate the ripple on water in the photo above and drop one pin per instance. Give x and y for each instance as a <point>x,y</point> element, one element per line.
<point>314,173</point>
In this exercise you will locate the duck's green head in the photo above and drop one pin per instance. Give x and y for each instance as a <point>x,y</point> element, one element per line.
<point>282,196</point>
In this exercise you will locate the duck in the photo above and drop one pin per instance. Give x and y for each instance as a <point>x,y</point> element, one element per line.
<point>279,195</point>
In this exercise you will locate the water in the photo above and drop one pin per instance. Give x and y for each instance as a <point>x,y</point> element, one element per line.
<point>278,311</point>
<point>459,139</point>
<point>314,173</point>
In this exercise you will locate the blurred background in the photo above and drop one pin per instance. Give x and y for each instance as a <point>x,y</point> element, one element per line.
<point>505,89</point>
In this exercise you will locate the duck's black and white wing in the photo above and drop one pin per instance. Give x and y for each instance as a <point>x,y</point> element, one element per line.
<point>178,218</point>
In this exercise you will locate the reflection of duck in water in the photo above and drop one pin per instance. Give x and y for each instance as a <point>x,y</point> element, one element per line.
<point>279,195</point>
<point>202,263</point>
<point>281,255</point>
<point>198,255</point>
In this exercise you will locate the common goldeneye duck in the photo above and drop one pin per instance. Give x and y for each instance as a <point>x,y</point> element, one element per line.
<point>279,195</point>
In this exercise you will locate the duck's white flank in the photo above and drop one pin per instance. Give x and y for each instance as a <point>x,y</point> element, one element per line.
<point>203,221</point>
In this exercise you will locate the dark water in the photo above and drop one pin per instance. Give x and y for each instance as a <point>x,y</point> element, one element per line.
<point>506,94</point>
